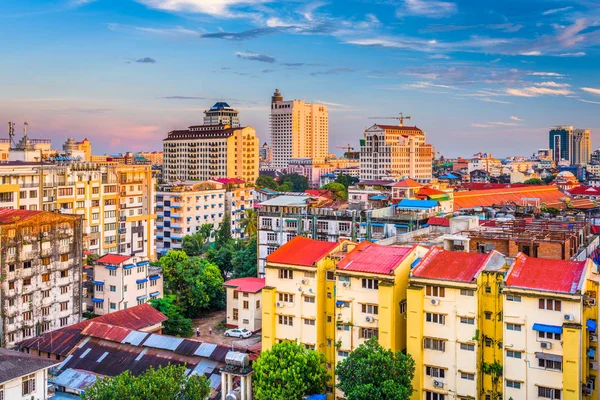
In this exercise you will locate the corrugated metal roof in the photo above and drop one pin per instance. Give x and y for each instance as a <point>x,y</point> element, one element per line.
<point>287,201</point>
<point>163,342</point>
<point>112,259</point>
<point>214,381</point>
<point>205,367</point>
<point>135,338</point>
<point>502,196</point>
<point>205,349</point>
<point>76,379</point>
<point>301,251</point>
<point>450,265</point>
<point>372,258</point>
<point>10,216</point>
<point>105,331</point>
<point>188,347</point>
<point>248,285</point>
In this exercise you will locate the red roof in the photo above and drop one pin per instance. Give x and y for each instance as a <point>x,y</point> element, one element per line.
<point>427,191</point>
<point>486,198</point>
<point>438,221</point>
<point>246,285</point>
<point>228,181</point>
<point>408,183</point>
<point>544,274</point>
<point>585,190</point>
<point>450,265</point>
<point>486,186</point>
<point>114,259</point>
<point>319,192</point>
<point>398,127</point>
<point>301,251</point>
<point>373,258</point>
<point>106,331</point>
<point>10,216</point>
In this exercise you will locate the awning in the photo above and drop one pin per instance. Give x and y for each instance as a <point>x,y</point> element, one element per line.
<point>591,352</point>
<point>141,297</point>
<point>142,263</point>
<point>416,262</point>
<point>128,266</point>
<point>378,197</point>
<point>550,357</point>
<point>401,226</point>
<point>141,280</point>
<point>154,277</point>
<point>111,267</point>
<point>377,224</point>
<point>339,303</point>
<point>291,220</point>
<point>154,294</point>
<point>95,300</point>
<point>547,328</point>
<point>591,325</point>
<point>99,283</point>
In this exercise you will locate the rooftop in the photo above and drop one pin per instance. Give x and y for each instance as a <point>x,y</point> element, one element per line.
<point>399,128</point>
<point>502,196</point>
<point>113,259</point>
<point>301,251</point>
<point>287,201</point>
<point>450,265</point>
<point>408,183</point>
<point>547,230</point>
<point>546,275</point>
<point>246,285</point>
<point>14,364</point>
<point>372,258</point>
<point>10,216</point>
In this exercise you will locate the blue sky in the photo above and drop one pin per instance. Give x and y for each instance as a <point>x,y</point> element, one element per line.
<point>486,76</point>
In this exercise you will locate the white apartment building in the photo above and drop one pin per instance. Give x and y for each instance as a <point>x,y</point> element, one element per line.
<point>244,303</point>
<point>395,152</point>
<point>298,130</point>
<point>238,199</point>
<point>220,114</point>
<point>121,282</point>
<point>24,376</point>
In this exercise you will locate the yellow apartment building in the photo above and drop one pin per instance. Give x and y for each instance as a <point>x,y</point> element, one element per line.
<point>550,336</point>
<point>453,318</point>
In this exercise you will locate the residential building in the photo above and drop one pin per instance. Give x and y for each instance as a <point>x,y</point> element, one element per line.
<point>454,315</point>
<point>244,303</point>
<point>222,114</point>
<point>395,152</point>
<point>82,149</point>
<point>298,130</point>
<point>154,157</point>
<point>183,209</point>
<point>24,376</point>
<point>313,171</point>
<point>210,152</point>
<point>41,262</point>
<point>582,147</point>
<point>485,162</point>
<point>550,335</point>
<point>265,153</point>
<point>238,198</point>
<point>121,282</point>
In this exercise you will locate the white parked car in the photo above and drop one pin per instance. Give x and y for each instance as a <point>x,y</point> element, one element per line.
<point>240,333</point>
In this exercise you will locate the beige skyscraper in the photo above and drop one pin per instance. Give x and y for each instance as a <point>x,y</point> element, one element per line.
<point>582,147</point>
<point>298,130</point>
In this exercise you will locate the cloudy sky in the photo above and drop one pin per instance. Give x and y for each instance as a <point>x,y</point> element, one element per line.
<point>476,75</point>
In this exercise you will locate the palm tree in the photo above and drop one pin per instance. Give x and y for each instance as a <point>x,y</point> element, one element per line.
<point>197,243</point>
<point>250,222</point>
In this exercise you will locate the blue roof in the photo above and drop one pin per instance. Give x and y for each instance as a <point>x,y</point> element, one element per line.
<point>449,176</point>
<point>220,105</point>
<point>142,263</point>
<point>547,328</point>
<point>128,266</point>
<point>154,277</point>
<point>141,280</point>
<point>75,379</point>
<point>378,197</point>
<point>417,204</point>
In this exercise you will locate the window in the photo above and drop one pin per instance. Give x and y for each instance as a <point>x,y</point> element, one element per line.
<point>112,272</point>
<point>467,347</point>
<point>246,305</point>
<point>257,304</point>
<point>488,342</point>
<point>64,289</point>
<point>549,304</point>
<point>434,344</point>
<point>310,275</point>
<point>488,315</point>
<point>286,274</point>
<point>245,294</point>
<point>513,354</point>
<point>549,336</point>
<point>235,314</point>
<point>80,204</point>
<point>513,327</point>
<point>28,385</point>
<point>26,298</point>
<point>46,294</point>
<point>370,309</point>
<point>488,289</point>
<point>45,260</point>
<point>27,315</point>
<point>80,191</point>
<point>11,267</point>
<point>236,295</point>
<point>309,321</point>
<point>271,237</point>
<point>467,376</point>
<point>64,306</point>
<point>286,320</point>
<point>434,396</point>
<point>435,372</point>
<point>435,318</point>
<point>512,297</point>
<point>113,288</point>
<point>11,302</point>
<point>548,393</point>
<point>370,283</point>
<point>513,384</point>
<point>435,291</point>
<point>27,264</point>
<point>467,292</point>
<point>367,333</point>
<point>403,307</point>
<point>550,364</point>
<point>64,274</point>
<point>64,257</point>
<point>45,311</point>
<point>309,299</point>
<point>342,353</point>
<point>330,276</point>
<point>467,320</point>
<point>286,297</point>
<point>113,306</point>
<point>64,321</point>
<point>11,285</point>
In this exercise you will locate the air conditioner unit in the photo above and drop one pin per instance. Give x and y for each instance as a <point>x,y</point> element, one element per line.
<point>593,338</point>
<point>369,318</point>
<point>435,302</point>
<point>546,345</point>
<point>586,390</point>
<point>569,317</point>
<point>594,366</point>
<point>340,327</point>
<point>279,304</point>
<point>44,234</point>
<point>305,281</point>
<point>346,284</point>
<point>438,384</point>
<point>591,302</point>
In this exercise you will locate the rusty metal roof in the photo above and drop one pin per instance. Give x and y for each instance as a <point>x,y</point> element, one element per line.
<point>105,331</point>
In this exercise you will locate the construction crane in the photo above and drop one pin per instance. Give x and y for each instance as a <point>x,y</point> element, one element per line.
<point>401,118</point>
<point>348,148</point>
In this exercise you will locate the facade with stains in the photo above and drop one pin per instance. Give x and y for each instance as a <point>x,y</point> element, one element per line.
<point>40,261</point>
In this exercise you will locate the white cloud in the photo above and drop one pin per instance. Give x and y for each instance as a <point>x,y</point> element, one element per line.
<point>578,54</point>
<point>328,103</point>
<point>534,91</point>
<point>531,53</point>
<point>426,85</point>
<point>554,74</point>
<point>427,8</point>
<point>553,84</point>
<point>218,8</point>
<point>591,90</point>
<point>515,118</point>
<point>589,101</point>
<point>174,32</point>
<point>556,10</point>
<point>488,100</point>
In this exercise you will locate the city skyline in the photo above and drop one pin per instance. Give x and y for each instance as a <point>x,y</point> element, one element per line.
<point>124,73</point>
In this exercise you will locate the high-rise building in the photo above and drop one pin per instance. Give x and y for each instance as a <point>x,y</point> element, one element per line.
<point>298,130</point>
<point>395,152</point>
<point>205,152</point>
<point>40,262</point>
<point>582,147</point>
<point>561,142</point>
<point>222,114</point>
<point>82,149</point>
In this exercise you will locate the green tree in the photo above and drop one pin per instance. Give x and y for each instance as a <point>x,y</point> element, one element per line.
<point>224,233</point>
<point>534,181</point>
<point>289,371</point>
<point>346,180</point>
<point>168,382</point>
<point>298,182</point>
<point>340,193</point>
<point>223,256</point>
<point>250,222</point>
<point>197,243</point>
<point>286,187</point>
<point>245,262</point>
<point>547,180</point>
<point>374,373</point>
<point>176,324</point>
<point>265,181</point>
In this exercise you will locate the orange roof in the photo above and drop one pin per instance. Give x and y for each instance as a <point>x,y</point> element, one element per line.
<point>10,216</point>
<point>373,258</point>
<point>427,191</point>
<point>301,251</point>
<point>450,265</point>
<point>486,198</point>
<point>408,183</point>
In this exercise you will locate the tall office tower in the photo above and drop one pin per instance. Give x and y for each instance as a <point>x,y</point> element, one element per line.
<point>205,152</point>
<point>298,130</point>
<point>582,147</point>
<point>220,114</point>
<point>395,152</point>
<point>561,142</point>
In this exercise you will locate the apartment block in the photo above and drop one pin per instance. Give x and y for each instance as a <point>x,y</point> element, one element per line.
<point>395,152</point>
<point>244,303</point>
<point>222,113</point>
<point>238,198</point>
<point>206,152</point>
<point>121,282</point>
<point>40,259</point>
